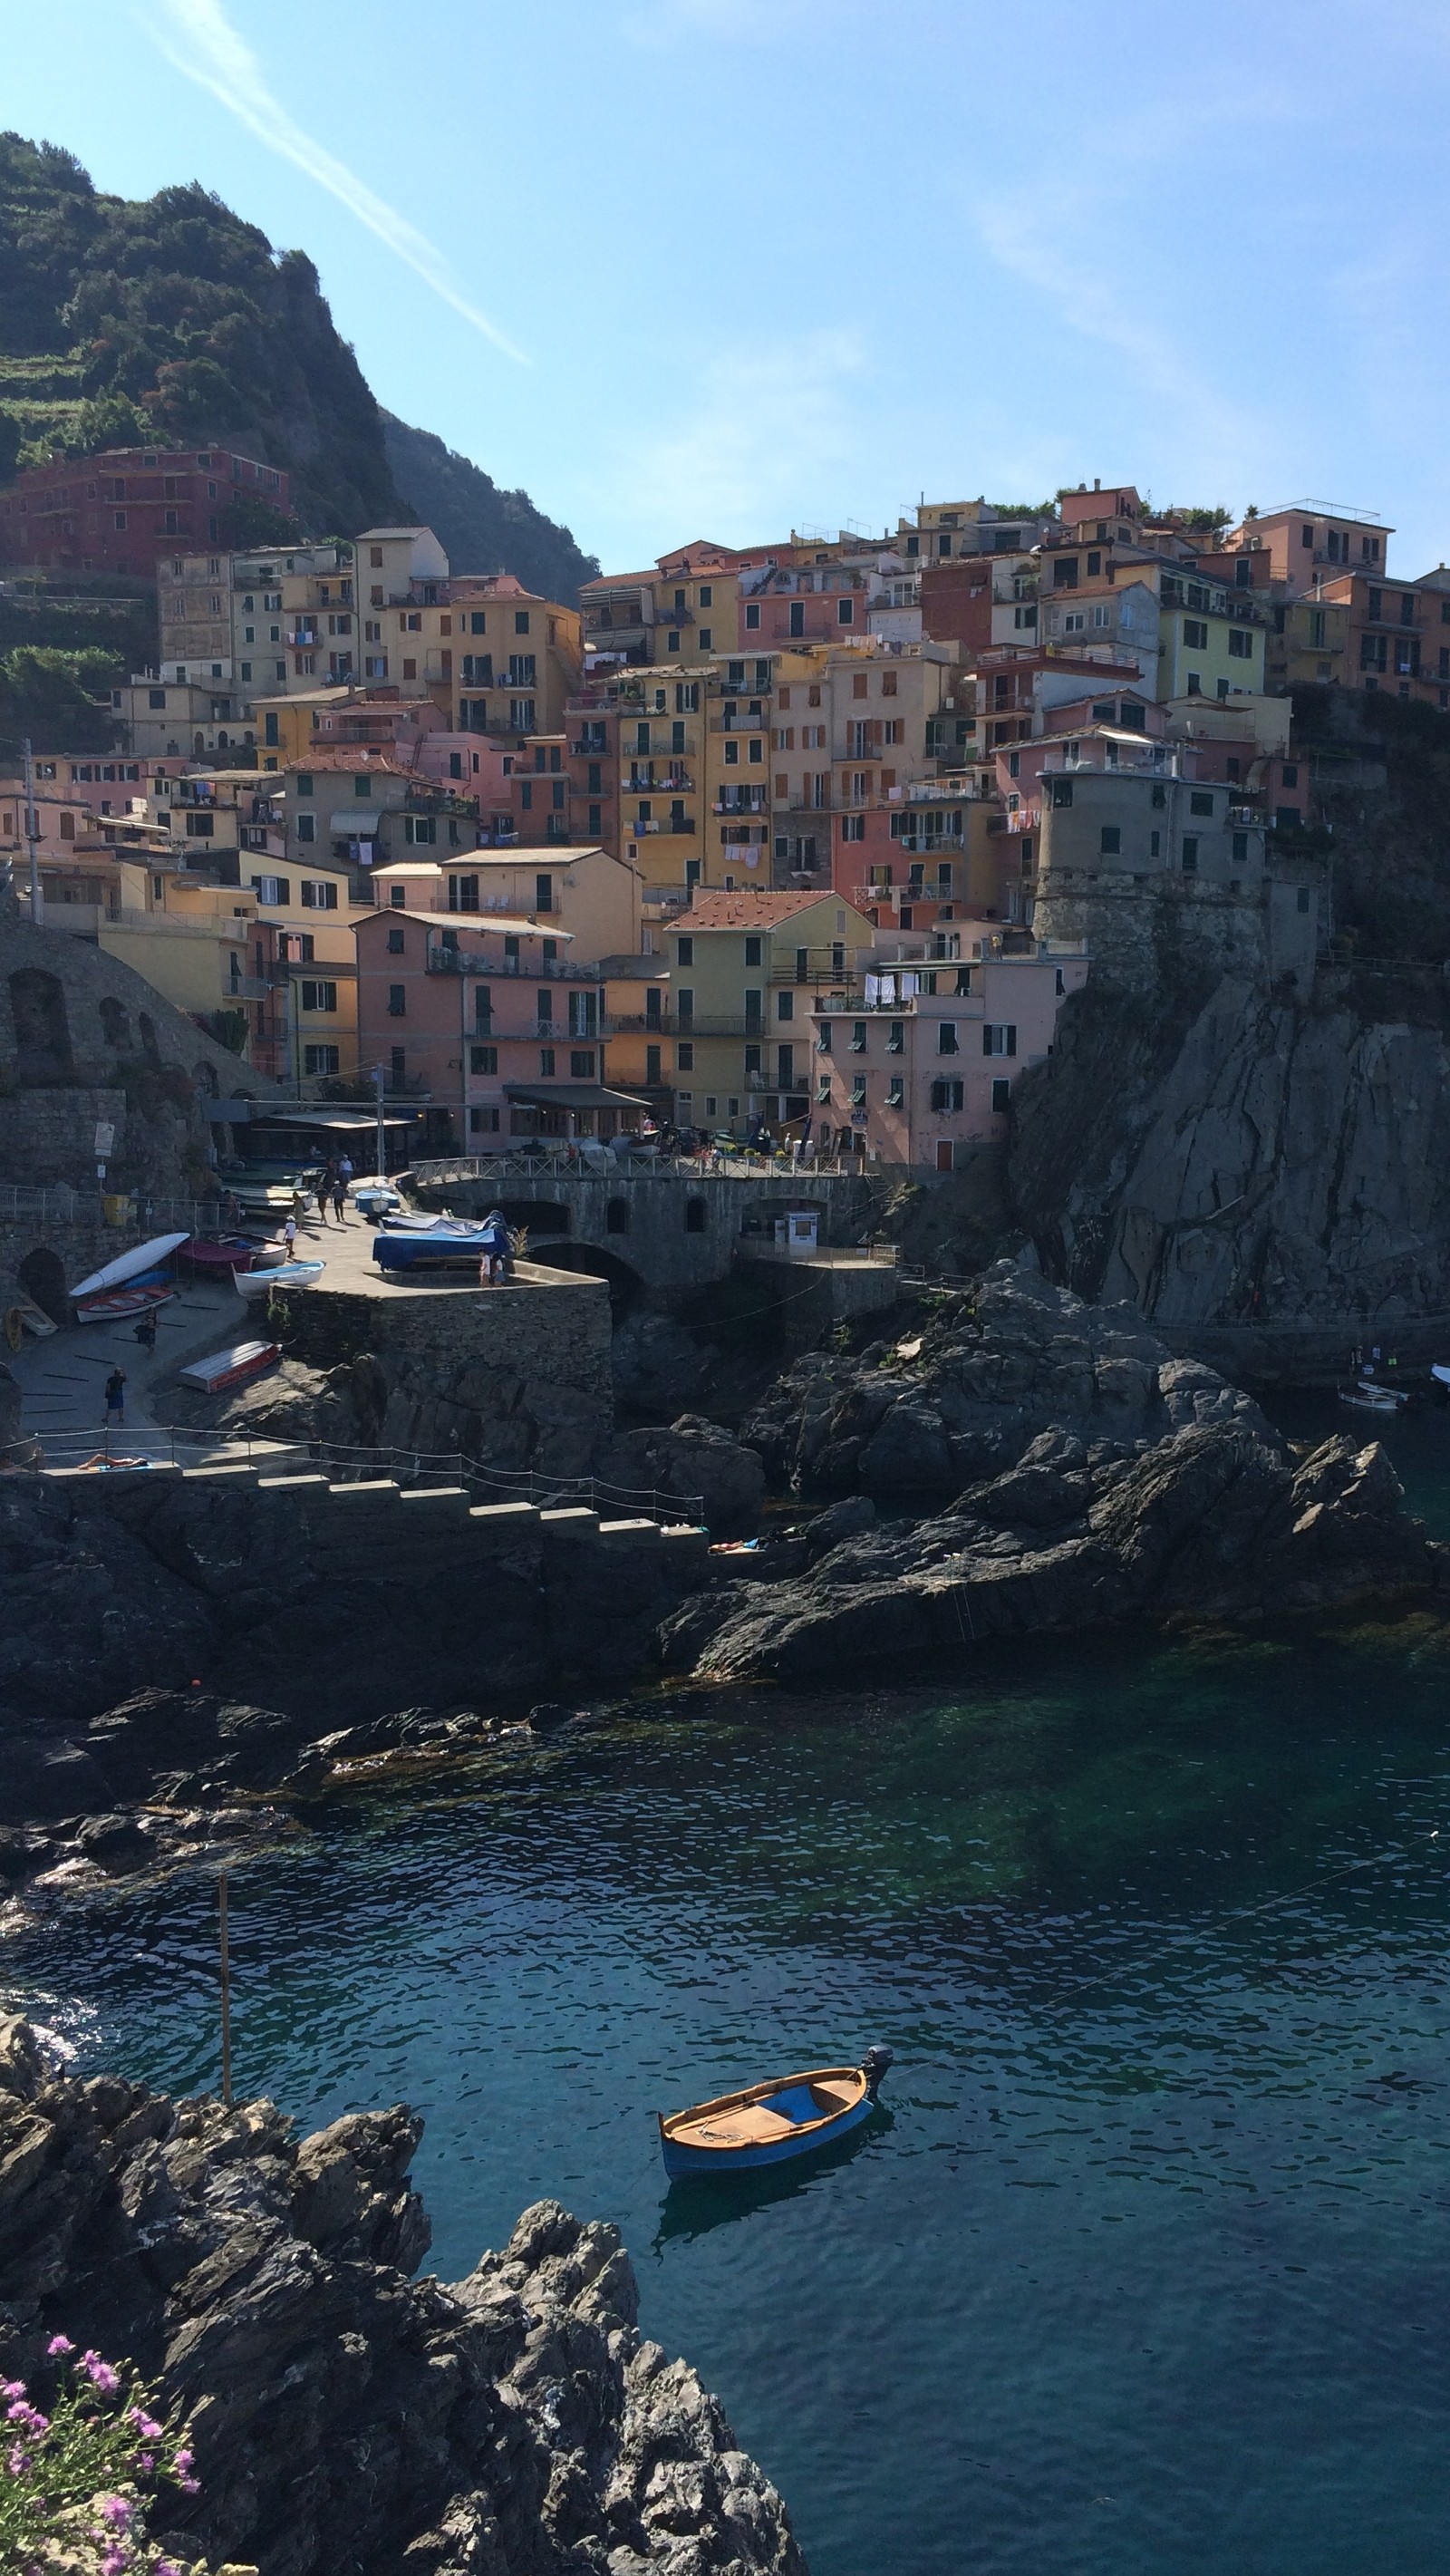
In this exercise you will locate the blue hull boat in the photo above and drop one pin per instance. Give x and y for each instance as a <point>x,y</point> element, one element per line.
<point>414,1251</point>
<point>769,2123</point>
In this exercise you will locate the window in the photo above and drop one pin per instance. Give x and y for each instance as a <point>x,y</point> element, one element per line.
<point>896,1093</point>
<point>398,894</point>
<point>946,1038</point>
<point>157,698</point>
<point>270,890</point>
<point>1195,635</point>
<point>785,1006</point>
<point>1001,1094</point>
<point>397,1001</point>
<point>947,1095</point>
<point>1241,643</point>
<point>1110,840</point>
<point>306,830</point>
<point>319,894</point>
<point>853,827</point>
<point>482,1119</point>
<point>546,1061</point>
<point>999,1038</point>
<point>321,1059</point>
<point>1200,802</point>
<point>521,621</point>
<point>397,941</point>
<point>318,996</point>
<point>685,1056</point>
<point>1062,791</point>
<point>1190,853</point>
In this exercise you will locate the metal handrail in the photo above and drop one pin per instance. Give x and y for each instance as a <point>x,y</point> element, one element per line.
<point>181,1447</point>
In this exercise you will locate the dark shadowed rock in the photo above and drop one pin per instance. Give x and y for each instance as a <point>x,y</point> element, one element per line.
<point>343,2414</point>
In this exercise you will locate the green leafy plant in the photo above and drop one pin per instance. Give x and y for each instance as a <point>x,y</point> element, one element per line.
<point>76,2484</point>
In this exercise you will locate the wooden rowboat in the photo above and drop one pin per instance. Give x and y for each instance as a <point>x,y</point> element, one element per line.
<point>767,2123</point>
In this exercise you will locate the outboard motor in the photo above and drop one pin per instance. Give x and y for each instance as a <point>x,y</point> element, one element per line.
<point>873,2066</point>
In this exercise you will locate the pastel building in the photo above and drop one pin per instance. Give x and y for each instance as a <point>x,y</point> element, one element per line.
<point>1307,543</point>
<point>916,1063</point>
<point>491,1019</point>
<point>745,968</point>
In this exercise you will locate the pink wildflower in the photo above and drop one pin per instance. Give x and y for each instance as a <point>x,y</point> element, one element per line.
<point>116,2559</point>
<point>12,2388</point>
<point>29,2418</point>
<point>19,2460</point>
<point>101,2373</point>
<point>146,2425</point>
<point>59,2344</point>
<point>117,2510</point>
<point>147,2462</point>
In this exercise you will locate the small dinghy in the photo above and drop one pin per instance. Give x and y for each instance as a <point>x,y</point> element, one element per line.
<point>1369,1399</point>
<point>230,1367</point>
<point>114,1307</point>
<point>219,1252</point>
<point>286,1275</point>
<point>767,2123</point>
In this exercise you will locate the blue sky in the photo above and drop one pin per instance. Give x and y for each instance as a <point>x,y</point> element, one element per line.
<point>722,267</point>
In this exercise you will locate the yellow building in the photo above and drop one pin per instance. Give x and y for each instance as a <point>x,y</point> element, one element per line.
<point>637,1029</point>
<point>745,968</point>
<point>1307,645</point>
<point>684,609</point>
<point>508,659</point>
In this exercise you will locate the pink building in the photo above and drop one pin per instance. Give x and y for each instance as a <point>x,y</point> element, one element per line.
<point>491,1018</point>
<point>917,1066</point>
<point>791,604</point>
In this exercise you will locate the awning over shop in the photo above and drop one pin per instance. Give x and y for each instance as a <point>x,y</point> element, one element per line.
<point>261,1113</point>
<point>571,1095</point>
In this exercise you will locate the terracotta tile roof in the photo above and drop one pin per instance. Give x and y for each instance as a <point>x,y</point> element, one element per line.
<point>749,908</point>
<point>361,756</point>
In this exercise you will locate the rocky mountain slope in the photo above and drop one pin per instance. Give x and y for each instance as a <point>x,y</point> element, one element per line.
<point>343,2414</point>
<point>125,320</point>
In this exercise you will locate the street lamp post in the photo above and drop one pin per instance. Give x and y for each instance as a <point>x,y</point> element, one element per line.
<point>380,1075</point>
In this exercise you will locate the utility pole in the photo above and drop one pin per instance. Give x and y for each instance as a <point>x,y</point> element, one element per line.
<point>380,1075</point>
<point>32,835</point>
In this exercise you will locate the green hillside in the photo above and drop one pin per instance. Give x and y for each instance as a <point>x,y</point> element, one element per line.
<point>123,321</point>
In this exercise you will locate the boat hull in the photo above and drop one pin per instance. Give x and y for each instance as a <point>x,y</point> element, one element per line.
<point>681,2159</point>
<point>287,1275</point>
<point>417,1251</point>
<point>129,1265</point>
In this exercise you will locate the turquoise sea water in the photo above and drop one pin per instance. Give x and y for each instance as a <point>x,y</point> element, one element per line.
<point>1143,2268</point>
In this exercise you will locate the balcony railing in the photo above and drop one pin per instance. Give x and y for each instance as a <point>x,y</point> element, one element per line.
<point>669,824</point>
<point>756,803</point>
<point>471,961</point>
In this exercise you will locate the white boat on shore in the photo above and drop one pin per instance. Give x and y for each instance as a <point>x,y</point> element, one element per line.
<point>129,1265</point>
<point>286,1275</point>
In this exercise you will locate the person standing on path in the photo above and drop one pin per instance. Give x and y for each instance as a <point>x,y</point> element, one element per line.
<point>345,1173</point>
<point>339,1196</point>
<point>146,1331</point>
<point>289,1235</point>
<point>324,1189</point>
<point>115,1399</point>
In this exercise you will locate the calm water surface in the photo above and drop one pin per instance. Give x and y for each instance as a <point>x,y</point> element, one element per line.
<point>1144,2269</point>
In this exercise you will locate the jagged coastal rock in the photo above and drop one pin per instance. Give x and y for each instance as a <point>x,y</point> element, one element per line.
<point>345,2415</point>
<point>1093,1478</point>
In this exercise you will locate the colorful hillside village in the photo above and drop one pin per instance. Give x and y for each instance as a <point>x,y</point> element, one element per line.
<point>809,839</point>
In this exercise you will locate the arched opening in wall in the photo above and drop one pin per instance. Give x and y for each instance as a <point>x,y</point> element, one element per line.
<point>204,1076</point>
<point>115,1024</point>
<point>616,1217</point>
<point>697,1216</point>
<point>198,744</point>
<point>42,1277</point>
<point>536,1216</point>
<point>42,1031</point>
<point>625,1284</point>
<point>149,1045</point>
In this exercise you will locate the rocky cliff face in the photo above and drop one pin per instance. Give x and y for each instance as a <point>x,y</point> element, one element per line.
<point>345,2416</point>
<point>1251,1160</point>
<point>1228,1151</point>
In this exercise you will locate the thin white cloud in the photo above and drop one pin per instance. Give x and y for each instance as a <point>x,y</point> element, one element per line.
<point>765,430</point>
<point>198,41</point>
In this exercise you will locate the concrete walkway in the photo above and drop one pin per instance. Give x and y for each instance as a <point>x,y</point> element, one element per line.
<point>62,1378</point>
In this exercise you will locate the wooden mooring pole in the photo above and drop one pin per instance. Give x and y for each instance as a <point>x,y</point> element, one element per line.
<point>226,1992</point>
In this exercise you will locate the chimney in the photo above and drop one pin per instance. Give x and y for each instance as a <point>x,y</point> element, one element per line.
<point>1097,482</point>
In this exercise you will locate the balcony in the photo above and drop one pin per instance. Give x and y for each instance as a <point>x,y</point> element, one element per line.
<point>672,825</point>
<point>628,1024</point>
<point>754,801</point>
<point>469,961</point>
<point>739,724</point>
